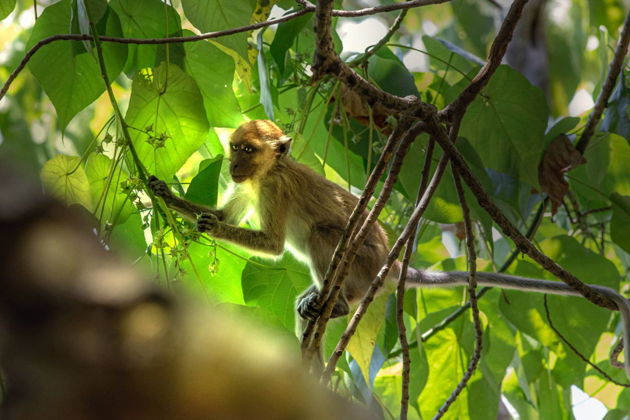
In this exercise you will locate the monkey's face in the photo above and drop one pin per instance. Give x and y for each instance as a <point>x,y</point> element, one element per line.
<point>249,160</point>
<point>254,148</point>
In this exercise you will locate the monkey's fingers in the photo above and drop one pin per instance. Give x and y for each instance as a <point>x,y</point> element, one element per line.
<point>308,308</point>
<point>158,187</point>
<point>207,222</point>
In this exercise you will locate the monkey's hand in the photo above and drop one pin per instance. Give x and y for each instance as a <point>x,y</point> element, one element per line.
<point>159,187</point>
<point>207,222</point>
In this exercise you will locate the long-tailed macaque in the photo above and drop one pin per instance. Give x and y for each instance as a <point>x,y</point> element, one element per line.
<point>304,212</point>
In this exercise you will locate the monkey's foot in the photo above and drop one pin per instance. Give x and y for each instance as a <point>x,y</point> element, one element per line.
<point>307,306</point>
<point>207,222</point>
<point>158,187</point>
<point>309,309</point>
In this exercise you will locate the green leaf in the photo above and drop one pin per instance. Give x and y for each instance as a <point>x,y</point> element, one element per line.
<point>506,125</point>
<point>562,126</point>
<point>284,38</point>
<point>477,23</point>
<point>222,108</point>
<point>574,317</point>
<point>605,172</point>
<point>167,101</point>
<point>275,285</point>
<point>6,7</point>
<point>609,13</point>
<point>129,237</point>
<point>263,78</point>
<point>497,354</point>
<point>620,223</point>
<point>215,271</point>
<point>443,55</point>
<point>69,75</point>
<point>362,343</point>
<point>111,204</point>
<point>390,74</point>
<point>568,35</point>
<point>204,187</point>
<point>333,153</point>
<point>447,362</point>
<point>146,19</point>
<point>519,397</point>
<point>420,371</point>
<point>64,177</point>
<point>217,15</point>
<point>617,415</point>
<point>388,389</point>
<point>617,117</point>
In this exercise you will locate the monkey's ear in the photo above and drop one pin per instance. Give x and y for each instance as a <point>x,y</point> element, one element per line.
<point>283,146</point>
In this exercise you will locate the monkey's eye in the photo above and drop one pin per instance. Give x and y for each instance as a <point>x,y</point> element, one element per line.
<point>248,149</point>
<point>234,147</point>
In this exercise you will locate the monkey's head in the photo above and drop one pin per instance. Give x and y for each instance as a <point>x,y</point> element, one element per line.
<point>255,147</point>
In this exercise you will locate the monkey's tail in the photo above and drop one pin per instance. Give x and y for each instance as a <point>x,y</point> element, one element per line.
<point>426,278</point>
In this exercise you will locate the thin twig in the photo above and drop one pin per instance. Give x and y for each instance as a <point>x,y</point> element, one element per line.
<point>383,41</point>
<point>597,210</point>
<point>375,10</point>
<point>400,290</point>
<point>609,84</point>
<point>472,294</point>
<point>495,56</point>
<point>614,355</point>
<point>575,350</point>
<point>380,278</point>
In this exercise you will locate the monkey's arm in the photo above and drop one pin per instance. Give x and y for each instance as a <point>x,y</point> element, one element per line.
<point>189,210</point>
<point>425,278</point>
<point>270,239</point>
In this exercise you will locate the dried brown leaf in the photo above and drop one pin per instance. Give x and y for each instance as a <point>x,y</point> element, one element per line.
<point>356,107</point>
<point>560,157</point>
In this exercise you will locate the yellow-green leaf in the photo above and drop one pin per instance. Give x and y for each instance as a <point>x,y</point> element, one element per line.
<point>65,178</point>
<point>362,343</point>
<point>111,204</point>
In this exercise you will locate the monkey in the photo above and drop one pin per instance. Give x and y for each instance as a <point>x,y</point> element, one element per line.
<point>305,213</point>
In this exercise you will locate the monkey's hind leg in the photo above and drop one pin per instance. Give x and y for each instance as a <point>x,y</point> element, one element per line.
<point>308,308</point>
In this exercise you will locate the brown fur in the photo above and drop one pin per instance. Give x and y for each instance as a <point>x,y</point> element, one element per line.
<point>297,207</point>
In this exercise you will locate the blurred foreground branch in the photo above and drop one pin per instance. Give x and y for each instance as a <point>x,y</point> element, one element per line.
<point>84,336</point>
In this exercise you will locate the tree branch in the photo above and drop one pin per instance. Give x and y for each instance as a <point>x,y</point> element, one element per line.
<point>374,10</point>
<point>326,61</point>
<point>609,84</point>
